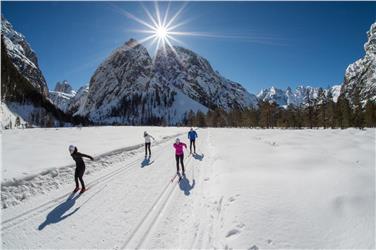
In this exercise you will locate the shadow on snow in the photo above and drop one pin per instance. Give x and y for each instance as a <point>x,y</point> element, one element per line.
<point>57,214</point>
<point>146,162</point>
<point>198,157</point>
<point>185,185</point>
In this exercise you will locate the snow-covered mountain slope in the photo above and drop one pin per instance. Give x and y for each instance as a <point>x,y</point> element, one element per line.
<point>22,56</point>
<point>8,119</point>
<point>301,96</point>
<point>62,95</point>
<point>77,102</point>
<point>194,76</point>
<point>360,77</point>
<point>130,88</point>
<point>22,96</point>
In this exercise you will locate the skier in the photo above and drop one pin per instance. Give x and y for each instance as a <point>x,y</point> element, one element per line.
<point>80,167</point>
<point>192,135</point>
<point>179,154</point>
<point>147,143</point>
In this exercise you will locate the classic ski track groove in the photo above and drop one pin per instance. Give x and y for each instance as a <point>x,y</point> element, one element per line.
<point>163,208</point>
<point>149,214</point>
<point>92,184</point>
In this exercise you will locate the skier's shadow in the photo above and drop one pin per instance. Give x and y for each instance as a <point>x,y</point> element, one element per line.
<point>185,185</point>
<point>57,214</point>
<point>198,157</point>
<point>146,162</point>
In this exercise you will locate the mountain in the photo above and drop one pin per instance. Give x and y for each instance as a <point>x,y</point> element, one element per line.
<point>22,56</point>
<point>77,102</point>
<point>360,77</point>
<point>194,76</point>
<point>129,87</point>
<point>301,96</point>
<point>62,95</point>
<point>23,89</point>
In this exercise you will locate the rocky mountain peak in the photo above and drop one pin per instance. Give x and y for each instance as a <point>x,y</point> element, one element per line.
<point>63,87</point>
<point>22,56</point>
<point>360,76</point>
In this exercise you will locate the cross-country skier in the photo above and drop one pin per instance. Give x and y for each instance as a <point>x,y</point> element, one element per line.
<point>192,135</point>
<point>179,154</point>
<point>147,143</point>
<point>80,167</point>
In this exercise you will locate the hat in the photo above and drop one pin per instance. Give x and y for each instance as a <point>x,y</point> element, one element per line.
<point>72,149</point>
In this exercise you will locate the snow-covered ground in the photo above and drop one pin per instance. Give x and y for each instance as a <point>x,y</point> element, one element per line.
<point>245,188</point>
<point>30,151</point>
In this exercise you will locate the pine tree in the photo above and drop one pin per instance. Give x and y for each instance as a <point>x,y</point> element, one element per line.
<point>17,123</point>
<point>370,114</point>
<point>358,120</point>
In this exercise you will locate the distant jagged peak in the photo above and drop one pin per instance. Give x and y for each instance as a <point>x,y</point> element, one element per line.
<point>131,43</point>
<point>64,87</point>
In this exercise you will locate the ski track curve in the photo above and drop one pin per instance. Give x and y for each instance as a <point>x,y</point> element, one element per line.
<point>98,186</point>
<point>30,213</point>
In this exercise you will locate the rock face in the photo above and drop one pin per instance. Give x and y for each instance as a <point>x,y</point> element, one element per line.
<point>301,96</point>
<point>22,56</point>
<point>63,87</point>
<point>130,88</point>
<point>23,88</point>
<point>62,95</point>
<point>194,76</point>
<point>78,101</point>
<point>360,77</point>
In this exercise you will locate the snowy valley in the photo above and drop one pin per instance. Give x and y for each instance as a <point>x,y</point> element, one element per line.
<point>286,168</point>
<point>294,189</point>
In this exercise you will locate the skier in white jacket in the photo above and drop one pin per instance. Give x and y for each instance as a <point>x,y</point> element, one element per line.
<point>147,143</point>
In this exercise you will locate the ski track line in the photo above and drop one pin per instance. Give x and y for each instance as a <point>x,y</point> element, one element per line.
<point>161,209</point>
<point>151,215</point>
<point>197,241</point>
<point>165,206</point>
<point>47,205</point>
<point>91,184</point>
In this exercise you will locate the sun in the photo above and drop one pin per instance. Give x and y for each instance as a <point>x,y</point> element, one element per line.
<point>161,32</point>
<point>162,29</point>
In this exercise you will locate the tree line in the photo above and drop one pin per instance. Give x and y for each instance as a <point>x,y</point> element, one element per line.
<point>325,114</point>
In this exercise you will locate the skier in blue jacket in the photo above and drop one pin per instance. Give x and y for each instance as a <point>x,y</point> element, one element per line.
<point>192,135</point>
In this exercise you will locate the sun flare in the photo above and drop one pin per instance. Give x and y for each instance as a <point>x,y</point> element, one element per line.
<point>162,27</point>
<point>161,32</point>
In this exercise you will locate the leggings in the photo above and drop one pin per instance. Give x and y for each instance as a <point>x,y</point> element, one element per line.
<point>179,158</point>
<point>78,176</point>
<point>194,145</point>
<point>147,146</point>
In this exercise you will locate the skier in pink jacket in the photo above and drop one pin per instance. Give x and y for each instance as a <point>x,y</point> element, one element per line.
<point>179,154</point>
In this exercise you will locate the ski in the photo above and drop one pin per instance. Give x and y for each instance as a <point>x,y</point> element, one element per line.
<point>173,178</point>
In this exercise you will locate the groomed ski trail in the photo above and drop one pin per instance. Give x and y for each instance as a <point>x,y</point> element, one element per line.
<point>112,207</point>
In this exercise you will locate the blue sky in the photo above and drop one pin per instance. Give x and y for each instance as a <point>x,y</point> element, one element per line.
<point>258,44</point>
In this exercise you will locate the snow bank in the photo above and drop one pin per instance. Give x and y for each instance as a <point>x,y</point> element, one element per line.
<point>29,152</point>
<point>15,191</point>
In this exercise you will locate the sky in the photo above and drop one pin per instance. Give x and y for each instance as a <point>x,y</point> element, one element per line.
<point>258,44</point>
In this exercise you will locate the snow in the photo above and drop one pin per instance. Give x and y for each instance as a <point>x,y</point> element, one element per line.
<point>31,151</point>
<point>246,188</point>
<point>8,117</point>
